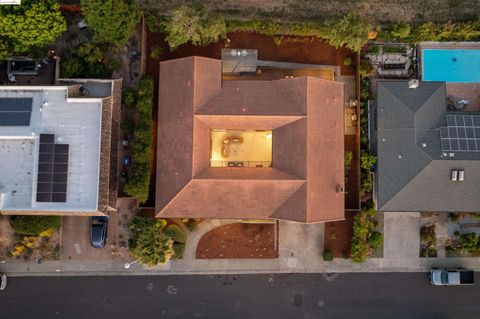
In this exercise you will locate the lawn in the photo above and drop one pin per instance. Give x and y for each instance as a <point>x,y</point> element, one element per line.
<point>375,10</point>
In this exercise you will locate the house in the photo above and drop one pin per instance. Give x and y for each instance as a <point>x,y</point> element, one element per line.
<point>428,157</point>
<point>248,149</point>
<point>58,148</point>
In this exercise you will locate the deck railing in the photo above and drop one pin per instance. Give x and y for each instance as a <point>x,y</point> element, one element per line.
<point>240,163</point>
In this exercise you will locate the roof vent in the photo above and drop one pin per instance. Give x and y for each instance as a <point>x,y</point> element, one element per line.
<point>424,145</point>
<point>413,84</point>
<point>461,175</point>
<point>451,154</point>
<point>454,176</point>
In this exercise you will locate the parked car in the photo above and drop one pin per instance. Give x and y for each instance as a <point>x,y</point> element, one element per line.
<point>3,281</point>
<point>452,277</point>
<point>98,231</point>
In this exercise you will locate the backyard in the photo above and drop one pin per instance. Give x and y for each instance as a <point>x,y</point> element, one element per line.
<point>373,10</point>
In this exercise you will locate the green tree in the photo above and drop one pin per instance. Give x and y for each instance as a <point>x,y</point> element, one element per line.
<point>196,24</point>
<point>149,243</point>
<point>112,21</point>
<point>34,23</point>
<point>401,30</point>
<point>350,31</point>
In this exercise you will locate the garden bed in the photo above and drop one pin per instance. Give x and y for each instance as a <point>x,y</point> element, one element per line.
<point>338,236</point>
<point>463,235</point>
<point>239,241</point>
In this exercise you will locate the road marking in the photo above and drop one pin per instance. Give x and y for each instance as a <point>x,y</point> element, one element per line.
<point>78,249</point>
<point>172,290</point>
<point>149,287</point>
<point>330,277</point>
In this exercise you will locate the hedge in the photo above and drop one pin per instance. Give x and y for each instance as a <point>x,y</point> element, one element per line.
<point>34,225</point>
<point>176,233</point>
<point>138,181</point>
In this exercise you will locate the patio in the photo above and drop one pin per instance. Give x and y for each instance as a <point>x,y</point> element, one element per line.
<point>465,91</point>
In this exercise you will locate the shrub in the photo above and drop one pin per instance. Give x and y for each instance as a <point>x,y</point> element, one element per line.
<point>375,239</point>
<point>178,249</point>
<point>112,21</point>
<point>87,61</point>
<point>138,180</point>
<point>34,225</point>
<point>190,223</point>
<point>365,240</point>
<point>365,69</point>
<point>156,52</point>
<point>327,255</point>
<point>128,126</point>
<point>475,216</point>
<point>153,24</point>
<point>454,218</point>
<point>374,49</point>
<point>195,24</point>
<point>176,233</point>
<point>401,30</point>
<point>129,97</point>
<point>148,242</point>
<point>366,183</point>
<point>347,61</point>
<point>456,233</point>
<point>367,161</point>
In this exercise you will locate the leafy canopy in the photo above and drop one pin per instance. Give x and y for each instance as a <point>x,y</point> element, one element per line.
<point>149,243</point>
<point>196,24</point>
<point>112,21</point>
<point>34,23</point>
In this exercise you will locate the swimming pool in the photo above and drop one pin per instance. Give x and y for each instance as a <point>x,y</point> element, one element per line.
<point>461,66</point>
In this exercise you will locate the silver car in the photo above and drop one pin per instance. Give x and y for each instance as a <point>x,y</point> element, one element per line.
<point>3,281</point>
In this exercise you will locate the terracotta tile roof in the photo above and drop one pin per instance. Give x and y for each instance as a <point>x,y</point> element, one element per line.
<point>306,116</point>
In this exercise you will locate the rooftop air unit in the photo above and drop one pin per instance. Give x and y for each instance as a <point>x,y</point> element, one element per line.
<point>413,84</point>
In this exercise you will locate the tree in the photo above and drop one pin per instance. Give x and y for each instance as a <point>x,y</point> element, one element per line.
<point>34,23</point>
<point>112,21</point>
<point>401,30</point>
<point>196,24</point>
<point>351,31</point>
<point>149,243</point>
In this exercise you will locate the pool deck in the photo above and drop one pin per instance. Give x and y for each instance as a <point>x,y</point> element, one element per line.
<point>467,91</point>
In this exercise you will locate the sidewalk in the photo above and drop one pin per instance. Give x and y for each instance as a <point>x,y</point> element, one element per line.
<point>299,252</point>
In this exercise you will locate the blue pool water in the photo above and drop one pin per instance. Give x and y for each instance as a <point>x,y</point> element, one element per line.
<point>451,65</point>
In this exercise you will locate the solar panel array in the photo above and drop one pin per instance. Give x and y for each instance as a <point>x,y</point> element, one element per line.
<point>15,111</point>
<point>462,133</point>
<point>52,170</point>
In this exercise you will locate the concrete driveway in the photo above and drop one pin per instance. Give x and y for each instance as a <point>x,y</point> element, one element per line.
<point>76,235</point>
<point>402,235</point>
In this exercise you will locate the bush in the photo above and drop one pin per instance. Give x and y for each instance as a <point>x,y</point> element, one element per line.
<point>365,69</point>
<point>454,218</point>
<point>176,233</point>
<point>178,249</point>
<point>156,52</point>
<point>87,61</point>
<point>365,240</point>
<point>195,24</point>
<point>327,255</point>
<point>190,223</point>
<point>401,30</point>
<point>366,183</point>
<point>153,24</point>
<point>129,97</point>
<point>138,180</point>
<point>456,233</point>
<point>347,61</point>
<point>34,225</point>
<point>348,161</point>
<point>128,126</point>
<point>375,239</point>
<point>367,161</point>
<point>148,242</point>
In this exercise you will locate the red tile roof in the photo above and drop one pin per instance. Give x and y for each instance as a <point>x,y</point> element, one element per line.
<point>306,116</point>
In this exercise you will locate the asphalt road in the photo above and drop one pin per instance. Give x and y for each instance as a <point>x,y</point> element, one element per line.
<point>382,295</point>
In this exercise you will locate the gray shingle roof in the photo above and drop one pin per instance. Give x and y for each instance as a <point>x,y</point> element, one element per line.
<point>413,173</point>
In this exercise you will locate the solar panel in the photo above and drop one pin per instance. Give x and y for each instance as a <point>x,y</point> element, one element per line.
<point>52,170</point>
<point>462,133</point>
<point>15,111</point>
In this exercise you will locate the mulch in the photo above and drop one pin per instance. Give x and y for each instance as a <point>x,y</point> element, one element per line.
<point>338,236</point>
<point>238,241</point>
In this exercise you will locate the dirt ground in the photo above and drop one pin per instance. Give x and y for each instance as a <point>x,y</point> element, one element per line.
<point>375,11</point>
<point>6,235</point>
<point>338,236</point>
<point>238,241</point>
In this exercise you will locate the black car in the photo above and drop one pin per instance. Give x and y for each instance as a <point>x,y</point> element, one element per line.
<point>98,231</point>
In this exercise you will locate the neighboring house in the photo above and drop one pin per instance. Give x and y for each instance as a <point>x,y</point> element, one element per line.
<point>248,149</point>
<point>56,146</point>
<point>428,157</point>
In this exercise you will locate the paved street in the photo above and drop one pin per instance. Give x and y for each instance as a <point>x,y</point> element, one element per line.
<point>379,295</point>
